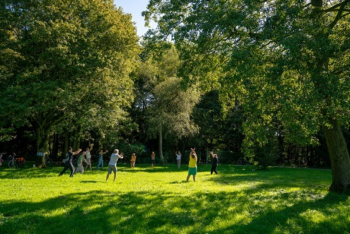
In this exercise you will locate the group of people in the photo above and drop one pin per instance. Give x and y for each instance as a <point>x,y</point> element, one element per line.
<point>112,165</point>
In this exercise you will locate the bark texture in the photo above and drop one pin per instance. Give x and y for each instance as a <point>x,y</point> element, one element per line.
<point>339,156</point>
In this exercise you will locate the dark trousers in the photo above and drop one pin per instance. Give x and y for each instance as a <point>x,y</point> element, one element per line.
<point>66,166</point>
<point>213,168</point>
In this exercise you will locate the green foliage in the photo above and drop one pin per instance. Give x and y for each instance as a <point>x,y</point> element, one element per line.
<point>282,62</point>
<point>69,65</point>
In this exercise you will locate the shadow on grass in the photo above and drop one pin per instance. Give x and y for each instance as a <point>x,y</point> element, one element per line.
<point>245,211</point>
<point>90,181</point>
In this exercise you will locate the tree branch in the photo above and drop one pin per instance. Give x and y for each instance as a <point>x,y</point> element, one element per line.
<point>335,6</point>
<point>339,15</point>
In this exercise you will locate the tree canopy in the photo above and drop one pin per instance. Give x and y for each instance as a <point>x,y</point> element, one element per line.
<point>280,59</point>
<point>64,65</point>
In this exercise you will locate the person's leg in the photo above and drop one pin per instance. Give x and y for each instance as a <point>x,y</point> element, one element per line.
<point>101,164</point>
<point>194,178</point>
<point>215,170</point>
<point>89,165</point>
<point>109,172</point>
<point>64,169</point>
<point>115,173</point>
<point>211,170</point>
<point>98,164</point>
<point>71,170</point>
<point>188,176</point>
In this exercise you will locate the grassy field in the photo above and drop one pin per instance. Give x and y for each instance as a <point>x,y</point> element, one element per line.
<point>145,200</point>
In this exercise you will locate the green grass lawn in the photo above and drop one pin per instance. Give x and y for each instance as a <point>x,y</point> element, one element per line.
<point>145,200</point>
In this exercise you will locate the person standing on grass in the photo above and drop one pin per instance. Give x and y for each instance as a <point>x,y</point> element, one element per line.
<point>214,163</point>
<point>133,160</point>
<point>100,159</point>
<point>68,161</point>
<point>153,158</point>
<point>88,156</point>
<point>112,166</point>
<point>192,165</point>
<point>81,159</point>
<point>178,158</point>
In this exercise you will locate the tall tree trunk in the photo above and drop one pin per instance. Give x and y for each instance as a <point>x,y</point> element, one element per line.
<point>161,146</point>
<point>339,156</point>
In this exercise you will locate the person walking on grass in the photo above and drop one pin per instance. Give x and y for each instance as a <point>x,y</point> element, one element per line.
<point>214,163</point>
<point>100,159</point>
<point>81,159</point>
<point>133,160</point>
<point>153,158</point>
<point>68,161</point>
<point>178,158</point>
<point>112,166</point>
<point>88,156</point>
<point>192,165</point>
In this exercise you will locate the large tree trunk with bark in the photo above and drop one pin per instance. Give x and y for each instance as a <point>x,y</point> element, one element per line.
<point>161,146</point>
<point>339,156</point>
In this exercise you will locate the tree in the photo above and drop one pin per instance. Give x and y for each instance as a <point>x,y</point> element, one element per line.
<point>160,96</point>
<point>64,65</point>
<point>283,59</point>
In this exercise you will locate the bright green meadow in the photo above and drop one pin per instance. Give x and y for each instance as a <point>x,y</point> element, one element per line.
<point>144,200</point>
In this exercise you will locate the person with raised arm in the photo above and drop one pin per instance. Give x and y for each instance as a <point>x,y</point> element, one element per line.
<point>100,159</point>
<point>192,165</point>
<point>112,166</point>
<point>68,161</point>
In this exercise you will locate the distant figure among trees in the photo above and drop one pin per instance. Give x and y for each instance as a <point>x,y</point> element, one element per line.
<point>153,158</point>
<point>133,160</point>
<point>178,158</point>
<point>214,163</point>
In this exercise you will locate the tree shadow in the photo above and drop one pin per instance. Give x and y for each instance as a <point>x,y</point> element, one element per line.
<point>110,211</point>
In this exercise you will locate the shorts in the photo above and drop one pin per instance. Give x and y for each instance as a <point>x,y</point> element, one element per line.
<point>192,171</point>
<point>112,168</point>
<point>153,161</point>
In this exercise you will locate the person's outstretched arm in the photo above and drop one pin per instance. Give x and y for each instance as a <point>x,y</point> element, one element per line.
<point>77,152</point>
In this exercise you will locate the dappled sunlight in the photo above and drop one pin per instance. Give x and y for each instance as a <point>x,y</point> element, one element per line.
<point>163,202</point>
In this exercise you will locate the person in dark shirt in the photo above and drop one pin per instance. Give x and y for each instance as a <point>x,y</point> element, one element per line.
<point>214,163</point>
<point>68,161</point>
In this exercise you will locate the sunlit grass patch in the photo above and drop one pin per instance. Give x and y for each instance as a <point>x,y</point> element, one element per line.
<point>144,200</point>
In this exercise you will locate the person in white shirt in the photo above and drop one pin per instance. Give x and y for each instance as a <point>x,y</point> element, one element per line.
<point>88,156</point>
<point>178,158</point>
<point>112,166</point>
